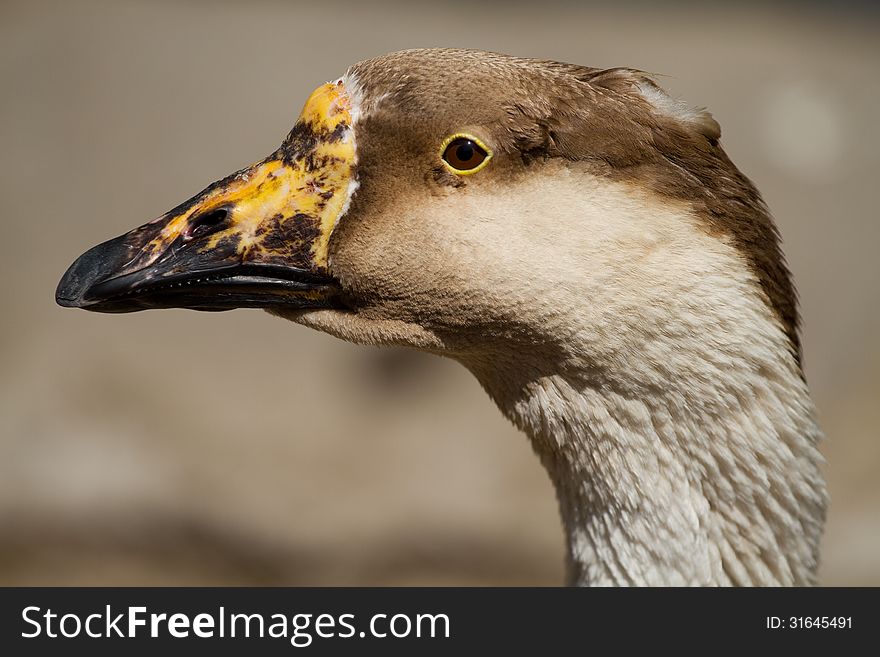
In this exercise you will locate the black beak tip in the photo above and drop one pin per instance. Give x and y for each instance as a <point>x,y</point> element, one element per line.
<point>64,302</point>
<point>90,268</point>
<point>69,292</point>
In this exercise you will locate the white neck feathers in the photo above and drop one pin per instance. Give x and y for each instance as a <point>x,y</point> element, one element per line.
<point>673,420</point>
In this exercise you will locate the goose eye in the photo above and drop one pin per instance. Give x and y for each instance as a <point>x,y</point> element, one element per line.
<point>465,155</point>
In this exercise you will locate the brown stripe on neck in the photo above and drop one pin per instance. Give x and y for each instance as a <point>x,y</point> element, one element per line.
<point>626,135</point>
<point>729,205</point>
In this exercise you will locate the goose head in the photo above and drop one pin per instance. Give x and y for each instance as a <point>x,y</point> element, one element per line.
<point>576,238</point>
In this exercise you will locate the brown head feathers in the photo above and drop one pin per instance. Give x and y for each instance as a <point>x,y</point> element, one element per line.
<point>617,121</point>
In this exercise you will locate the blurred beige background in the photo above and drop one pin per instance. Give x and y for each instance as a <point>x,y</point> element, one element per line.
<point>183,448</point>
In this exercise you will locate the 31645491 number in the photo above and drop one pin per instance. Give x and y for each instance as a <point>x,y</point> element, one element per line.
<point>809,622</point>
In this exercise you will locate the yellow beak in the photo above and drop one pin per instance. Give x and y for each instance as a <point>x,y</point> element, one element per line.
<point>257,238</point>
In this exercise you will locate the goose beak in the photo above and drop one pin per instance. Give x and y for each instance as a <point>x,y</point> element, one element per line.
<point>256,239</point>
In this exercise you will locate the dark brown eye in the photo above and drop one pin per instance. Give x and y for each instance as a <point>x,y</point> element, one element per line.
<point>465,155</point>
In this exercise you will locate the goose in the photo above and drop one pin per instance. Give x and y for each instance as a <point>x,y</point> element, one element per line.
<point>575,237</point>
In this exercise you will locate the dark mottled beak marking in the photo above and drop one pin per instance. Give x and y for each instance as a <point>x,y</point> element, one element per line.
<point>258,238</point>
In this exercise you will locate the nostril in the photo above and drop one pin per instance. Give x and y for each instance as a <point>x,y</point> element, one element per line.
<point>206,222</point>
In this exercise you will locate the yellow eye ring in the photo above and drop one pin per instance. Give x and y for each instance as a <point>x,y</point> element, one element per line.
<point>464,154</point>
